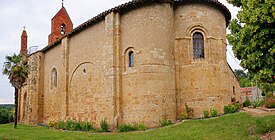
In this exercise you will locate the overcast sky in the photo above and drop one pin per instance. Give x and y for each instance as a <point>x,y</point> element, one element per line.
<point>36,16</point>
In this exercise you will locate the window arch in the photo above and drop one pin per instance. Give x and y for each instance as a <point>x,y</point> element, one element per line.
<point>198,45</point>
<point>63,29</point>
<point>53,78</point>
<point>131,59</point>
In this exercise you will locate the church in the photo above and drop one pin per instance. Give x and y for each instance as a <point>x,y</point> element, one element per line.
<point>134,63</point>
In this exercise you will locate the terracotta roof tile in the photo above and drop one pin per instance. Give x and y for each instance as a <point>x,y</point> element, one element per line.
<point>246,89</point>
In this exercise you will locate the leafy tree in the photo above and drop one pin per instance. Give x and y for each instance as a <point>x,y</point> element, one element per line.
<point>267,89</point>
<point>253,37</point>
<point>17,70</point>
<point>245,80</point>
<point>6,114</point>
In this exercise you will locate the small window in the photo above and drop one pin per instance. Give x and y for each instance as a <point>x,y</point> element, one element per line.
<point>131,59</point>
<point>198,45</point>
<point>53,78</point>
<point>63,29</point>
<point>234,90</point>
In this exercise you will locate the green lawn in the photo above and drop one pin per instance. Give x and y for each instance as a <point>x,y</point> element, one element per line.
<point>234,126</point>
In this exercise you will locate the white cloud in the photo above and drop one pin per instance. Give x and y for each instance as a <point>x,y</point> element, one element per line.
<point>5,101</point>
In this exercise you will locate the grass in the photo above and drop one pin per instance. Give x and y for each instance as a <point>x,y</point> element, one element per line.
<point>228,127</point>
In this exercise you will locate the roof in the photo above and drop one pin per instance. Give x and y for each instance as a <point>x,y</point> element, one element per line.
<point>123,8</point>
<point>24,33</point>
<point>247,89</point>
<point>62,11</point>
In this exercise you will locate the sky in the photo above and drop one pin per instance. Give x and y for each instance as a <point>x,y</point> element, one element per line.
<point>36,16</point>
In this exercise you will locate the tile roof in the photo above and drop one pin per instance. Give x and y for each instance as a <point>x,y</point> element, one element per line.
<point>123,8</point>
<point>247,89</point>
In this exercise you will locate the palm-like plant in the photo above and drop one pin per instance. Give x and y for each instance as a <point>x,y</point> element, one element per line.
<point>17,70</point>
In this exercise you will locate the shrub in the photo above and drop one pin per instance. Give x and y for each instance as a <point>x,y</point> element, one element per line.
<point>183,116</point>
<point>141,127</point>
<point>189,111</point>
<point>269,103</point>
<point>60,125</point>
<point>246,103</point>
<point>125,128</point>
<point>129,127</point>
<point>72,125</point>
<point>237,106</point>
<point>229,109</point>
<point>232,108</point>
<point>76,126</point>
<point>206,114</point>
<point>256,104</point>
<point>86,126</point>
<point>68,124</point>
<point>213,112</point>
<point>265,125</point>
<point>165,121</point>
<point>104,125</point>
<point>52,124</point>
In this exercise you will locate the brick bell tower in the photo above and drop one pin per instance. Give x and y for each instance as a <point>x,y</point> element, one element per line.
<point>24,41</point>
<point>61,24</point>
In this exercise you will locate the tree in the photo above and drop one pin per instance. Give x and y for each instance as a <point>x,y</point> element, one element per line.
<point>245,80</point>
<point>17,70</point>
<point>253,37</point>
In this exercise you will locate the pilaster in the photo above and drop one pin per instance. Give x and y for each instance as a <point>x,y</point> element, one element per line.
<point>112,29</point>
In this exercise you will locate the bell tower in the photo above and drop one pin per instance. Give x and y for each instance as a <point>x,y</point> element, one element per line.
<point>24,41</point>
<point>61,24</point>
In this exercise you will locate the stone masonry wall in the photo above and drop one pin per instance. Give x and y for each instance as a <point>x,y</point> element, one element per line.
<point>91,75</point>
<point>31,95</point>
<point>148,88</point>
<point>202,84</point>
<point>54,97</point>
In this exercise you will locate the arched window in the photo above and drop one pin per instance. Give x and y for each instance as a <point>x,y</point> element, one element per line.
<point>198,45</point>
<point>53,78</point>
<point>131,59</point>
<point>63,29</point>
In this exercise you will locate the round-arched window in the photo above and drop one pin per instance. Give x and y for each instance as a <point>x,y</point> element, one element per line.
<point>198,45</point>
<point>131,59</point>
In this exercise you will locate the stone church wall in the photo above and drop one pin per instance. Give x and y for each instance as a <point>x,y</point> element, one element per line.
<point>30,99</point>
<point>91,76</point>
<point>148,89</point>
<point>202,84</point>
<point>54,96</point>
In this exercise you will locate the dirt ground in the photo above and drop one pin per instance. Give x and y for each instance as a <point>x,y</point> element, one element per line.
<point>257,112</point>
<point>268,136</point>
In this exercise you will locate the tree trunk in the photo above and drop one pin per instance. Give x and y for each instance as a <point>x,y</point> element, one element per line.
<point>16,107</point>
